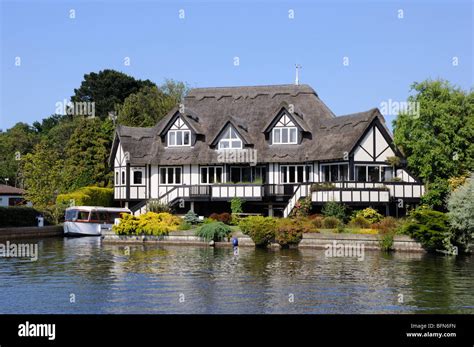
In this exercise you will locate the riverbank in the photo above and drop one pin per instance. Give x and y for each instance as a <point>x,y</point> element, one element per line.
<point>310,240</point>
<point>31,232</point>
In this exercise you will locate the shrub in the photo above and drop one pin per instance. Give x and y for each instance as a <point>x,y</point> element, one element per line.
<point>150,223</point>
<point>340,228</point>
<point>54,214</point>
<point>322,186</point>
<point>461,214</point>
<point>208,220</point>
<point>428,227</point>
<point>317,221</point>
<point>158,207</point>
<point>387,229</point>
<point>371,215</point>
<point>191,217</point>
<point>234,219</point>
<point>386,242</point>
<point>386,225</point>
<point>302,207</point>
<point>18,216</point>
<point>128,225</point>
<point>87,196</point>
<point>224,217</point>
<point>334,209</point>
<point>307,225</point>
<point>359,222</point>
<point>236,205</point>
<point>215,231</point>
<point>185,226</point>
<point>330,222</point>
<point>260,229</point>
<point>288,232</point>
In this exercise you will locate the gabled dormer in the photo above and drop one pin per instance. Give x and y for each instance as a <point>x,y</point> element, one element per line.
<point>230,137</point>
<point>180,131</point>
<point>179,135</point>
<point>284,129</point>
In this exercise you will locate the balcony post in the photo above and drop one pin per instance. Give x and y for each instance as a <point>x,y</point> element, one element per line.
<point>270,210</point>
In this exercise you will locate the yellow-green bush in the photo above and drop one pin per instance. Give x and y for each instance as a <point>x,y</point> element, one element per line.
<point>88,196</point>
<point>128,225</point>
<point>150,223</point>
<point>369,214</point>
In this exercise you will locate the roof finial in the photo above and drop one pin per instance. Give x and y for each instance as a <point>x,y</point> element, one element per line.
<point>297,80</point>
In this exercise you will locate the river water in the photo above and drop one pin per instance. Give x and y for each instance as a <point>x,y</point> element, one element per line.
<point>81,275</point>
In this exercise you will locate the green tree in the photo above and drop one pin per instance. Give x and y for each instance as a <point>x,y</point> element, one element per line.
<point>107,89</point>
<point>334,209</point>
<point>42,176</point>
<point>87,153</point>
<point>15,143</point>
<point>461,214</point>
<point>146,107</point>
<point>439,141</point>
<point>175,90</point>
<point>430,228</point>
<point>48,123</point>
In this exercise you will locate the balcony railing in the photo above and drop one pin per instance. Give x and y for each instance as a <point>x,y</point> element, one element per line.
<point>366,191</point>
<point>280,189</point>
<point>229,191</point>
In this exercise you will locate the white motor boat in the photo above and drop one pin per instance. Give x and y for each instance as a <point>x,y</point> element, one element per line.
<point>91,220</point>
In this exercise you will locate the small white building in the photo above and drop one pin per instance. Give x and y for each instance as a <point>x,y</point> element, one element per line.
<point>11,196</point>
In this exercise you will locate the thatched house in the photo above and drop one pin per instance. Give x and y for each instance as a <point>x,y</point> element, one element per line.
<point>269,145</point>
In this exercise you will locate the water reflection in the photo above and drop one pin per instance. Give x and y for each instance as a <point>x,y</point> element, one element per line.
<point>182,279</point>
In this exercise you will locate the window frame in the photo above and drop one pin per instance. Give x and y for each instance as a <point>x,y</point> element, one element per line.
<point>307,170</point>
<point>167,176</point>
<point>262,169</point>
<point>142,173</point>
<point>339,176</point>
<point>288,130</point>
<point>206,168</point>
<point>230,140</point>
<point>175,133</point>
<point>380,168</point>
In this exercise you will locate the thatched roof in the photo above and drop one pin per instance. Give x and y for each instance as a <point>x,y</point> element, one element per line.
<point>250,110</point>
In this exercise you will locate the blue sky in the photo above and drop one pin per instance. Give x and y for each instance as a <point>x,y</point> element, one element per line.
<point>386,53</point>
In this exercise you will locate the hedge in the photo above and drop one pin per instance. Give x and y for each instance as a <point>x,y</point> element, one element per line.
<point>20,216</point>
<point>88,196</point>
